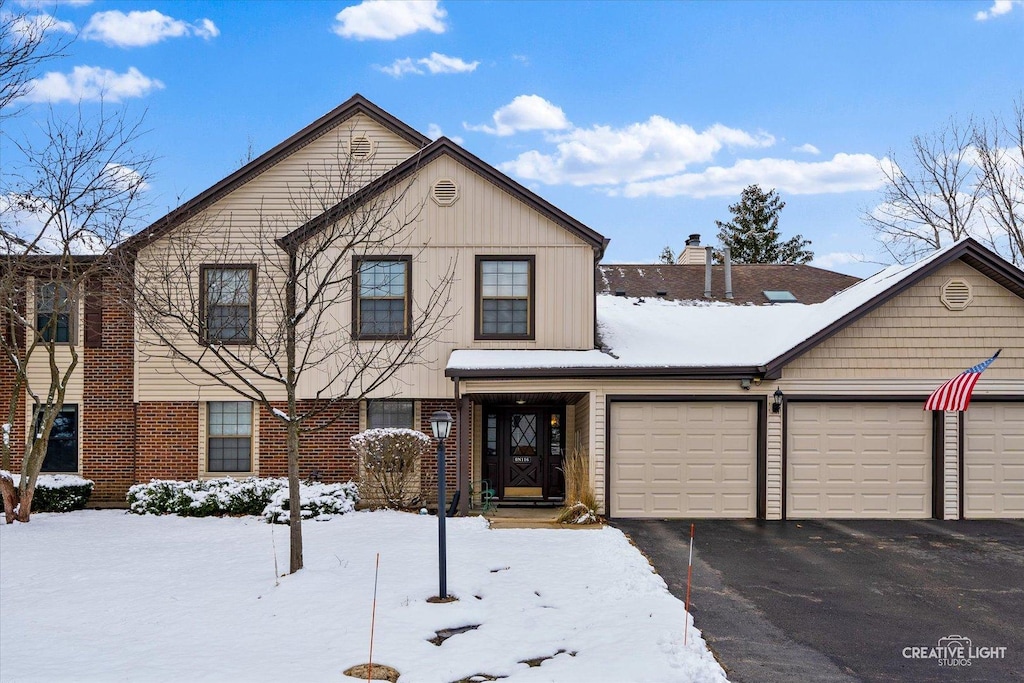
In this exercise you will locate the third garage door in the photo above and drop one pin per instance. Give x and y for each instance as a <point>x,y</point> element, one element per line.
<point>683,459</point>
<point>867,460</point>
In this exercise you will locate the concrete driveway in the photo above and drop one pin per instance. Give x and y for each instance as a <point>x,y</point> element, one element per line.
<point>842,601</point>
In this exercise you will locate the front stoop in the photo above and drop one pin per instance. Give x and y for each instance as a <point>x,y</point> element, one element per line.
<point>528,518</point>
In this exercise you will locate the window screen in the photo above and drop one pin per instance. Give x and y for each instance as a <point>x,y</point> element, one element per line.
<point>390,414</point>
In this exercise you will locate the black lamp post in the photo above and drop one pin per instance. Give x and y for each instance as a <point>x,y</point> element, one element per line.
<point>441,425</point>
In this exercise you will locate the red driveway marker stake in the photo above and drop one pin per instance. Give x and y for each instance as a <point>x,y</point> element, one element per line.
<point>689,573</point>
<point>373,618</point>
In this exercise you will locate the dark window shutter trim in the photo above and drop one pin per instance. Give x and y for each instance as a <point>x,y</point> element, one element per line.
<point>94,314</point>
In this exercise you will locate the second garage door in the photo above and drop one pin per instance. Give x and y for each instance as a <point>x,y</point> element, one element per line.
<point>683,459</point>
<point>994,460</point>
<point>867,460</point>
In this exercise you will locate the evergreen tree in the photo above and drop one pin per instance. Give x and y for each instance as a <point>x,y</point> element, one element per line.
<point>753,233</point>
<point>667,256</point>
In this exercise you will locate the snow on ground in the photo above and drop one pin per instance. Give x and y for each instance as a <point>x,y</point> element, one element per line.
<point>108,596</point>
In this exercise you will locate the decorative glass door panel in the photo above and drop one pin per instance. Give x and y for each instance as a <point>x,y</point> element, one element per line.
<point>523,473</point>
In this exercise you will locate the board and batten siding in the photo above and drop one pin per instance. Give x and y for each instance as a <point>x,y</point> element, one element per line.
<point>238,229</point>
<point>484,221</point>
<point>912,343</point>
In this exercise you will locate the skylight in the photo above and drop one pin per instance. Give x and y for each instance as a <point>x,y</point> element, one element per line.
<point>779,296</point>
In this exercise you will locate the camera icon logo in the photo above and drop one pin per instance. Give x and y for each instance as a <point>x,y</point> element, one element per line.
<point>954,642</point>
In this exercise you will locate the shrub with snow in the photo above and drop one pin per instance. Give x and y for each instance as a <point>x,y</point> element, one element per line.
<point>249,496</point>
<point>389,460</point>
<point>58,492</point>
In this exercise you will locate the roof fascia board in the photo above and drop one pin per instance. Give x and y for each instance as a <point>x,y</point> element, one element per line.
<point>357,104</point>
<point>445,146</point>
<point>737,372</point>
<point>970,249</point>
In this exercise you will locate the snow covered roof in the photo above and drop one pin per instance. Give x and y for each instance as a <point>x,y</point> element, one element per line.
<point>652,336</point>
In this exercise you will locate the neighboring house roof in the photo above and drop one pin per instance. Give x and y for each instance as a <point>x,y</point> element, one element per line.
<point>808,284</point>
<point>709,339</point>
<point>357,104</point>
<point>444,146</point>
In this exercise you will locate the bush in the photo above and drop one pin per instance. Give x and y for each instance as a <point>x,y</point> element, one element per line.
<point>390,465</point>
<point>61,493</point>
<point>250,496</point>
<point>580,501</point>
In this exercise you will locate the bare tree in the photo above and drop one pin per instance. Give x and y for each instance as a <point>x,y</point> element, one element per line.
<point>283,337</point>
<point>967,179</point>
<point>929,200</point>
<point>65,202</point>
<point>24,45</point>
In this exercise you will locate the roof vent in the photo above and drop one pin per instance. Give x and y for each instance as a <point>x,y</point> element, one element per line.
<point>956,294</point>
<point>360,147</point>
<point>620,292</point>
<point>661,292</point>
<point>444,192</point>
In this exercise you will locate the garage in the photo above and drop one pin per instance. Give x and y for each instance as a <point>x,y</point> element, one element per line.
<point>677,459</point>
<point>858,460</point>
<point>993,468</point>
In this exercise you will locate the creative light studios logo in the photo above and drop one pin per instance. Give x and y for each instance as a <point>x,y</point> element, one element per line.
<point>954,651</point>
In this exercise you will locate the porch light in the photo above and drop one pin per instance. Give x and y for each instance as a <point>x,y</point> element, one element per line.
<point>777,402</point>
<point>441,424</point>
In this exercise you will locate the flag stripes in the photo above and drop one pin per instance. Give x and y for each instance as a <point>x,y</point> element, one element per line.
<point>956,393</point>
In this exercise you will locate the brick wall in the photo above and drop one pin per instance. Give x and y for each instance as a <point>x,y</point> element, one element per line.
<point>326,451</point>
<point>167,440</point>
<point>108,412</point>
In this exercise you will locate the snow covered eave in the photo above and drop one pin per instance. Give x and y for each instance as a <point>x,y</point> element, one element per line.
<point>730,372</point>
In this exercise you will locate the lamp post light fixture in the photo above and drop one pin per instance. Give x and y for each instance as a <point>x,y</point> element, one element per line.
<point>777,401</point>
<point>441,425</point>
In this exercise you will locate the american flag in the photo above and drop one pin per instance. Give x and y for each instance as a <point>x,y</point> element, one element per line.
<point>956,393</point>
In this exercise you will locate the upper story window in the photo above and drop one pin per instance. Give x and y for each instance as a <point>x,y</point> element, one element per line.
<point>505,297</point>
<point>381,308</point>
<point>390,413</point>
<point>55,312</point>
<point>229,304</point>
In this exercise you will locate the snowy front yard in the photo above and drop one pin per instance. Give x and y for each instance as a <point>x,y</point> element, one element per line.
<point>103,595</point>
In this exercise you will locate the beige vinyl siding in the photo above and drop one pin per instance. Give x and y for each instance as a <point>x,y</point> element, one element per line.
<point>915,337</point>
<point>229,231</point>
<point>38,368</point>
<point>773,466</point>
<point>484,221</point>
<point>950,465</point>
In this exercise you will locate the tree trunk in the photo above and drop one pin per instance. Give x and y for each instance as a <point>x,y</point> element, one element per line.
<point>9,496</point>
<point>294,503</point>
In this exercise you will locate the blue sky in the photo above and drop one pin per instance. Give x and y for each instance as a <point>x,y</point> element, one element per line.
<point>643,120</point>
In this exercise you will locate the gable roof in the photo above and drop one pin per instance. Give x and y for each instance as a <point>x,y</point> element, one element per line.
<point>662,338</point>
<point>444,146</point>
<point>357,104</point>
<point>810,285</point>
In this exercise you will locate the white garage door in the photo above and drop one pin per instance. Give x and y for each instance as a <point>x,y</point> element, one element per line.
<point>673,459</point>
<point>869,460</point>
<point>994,460</point>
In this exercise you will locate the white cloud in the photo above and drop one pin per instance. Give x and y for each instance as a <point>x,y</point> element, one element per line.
<point>603,155</point>
<point>434,132</point>
<point>525,112</point>
<point>998,8</point>
<point>436,63</point>
<point>39,24</point>
<point>838,258</point>
<point>807,148</point>
<point>91,83</point>
<point>138,29</point>
<point>842,173</point>
<point>389,19</point>
<point>126,179</point>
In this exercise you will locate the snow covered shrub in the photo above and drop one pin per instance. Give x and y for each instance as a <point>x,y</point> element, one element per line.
<point>389,462</point>
<point>317,500</point>
<point>580,501</point>
<point>250,496</point>
<point>60,493</point>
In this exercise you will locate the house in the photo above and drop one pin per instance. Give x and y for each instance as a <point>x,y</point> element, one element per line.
<point>770,392</point>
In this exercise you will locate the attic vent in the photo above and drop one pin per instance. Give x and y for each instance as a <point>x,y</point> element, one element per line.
<point>444,192</point>
<point>360,148</point>
<point>956,295</point>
